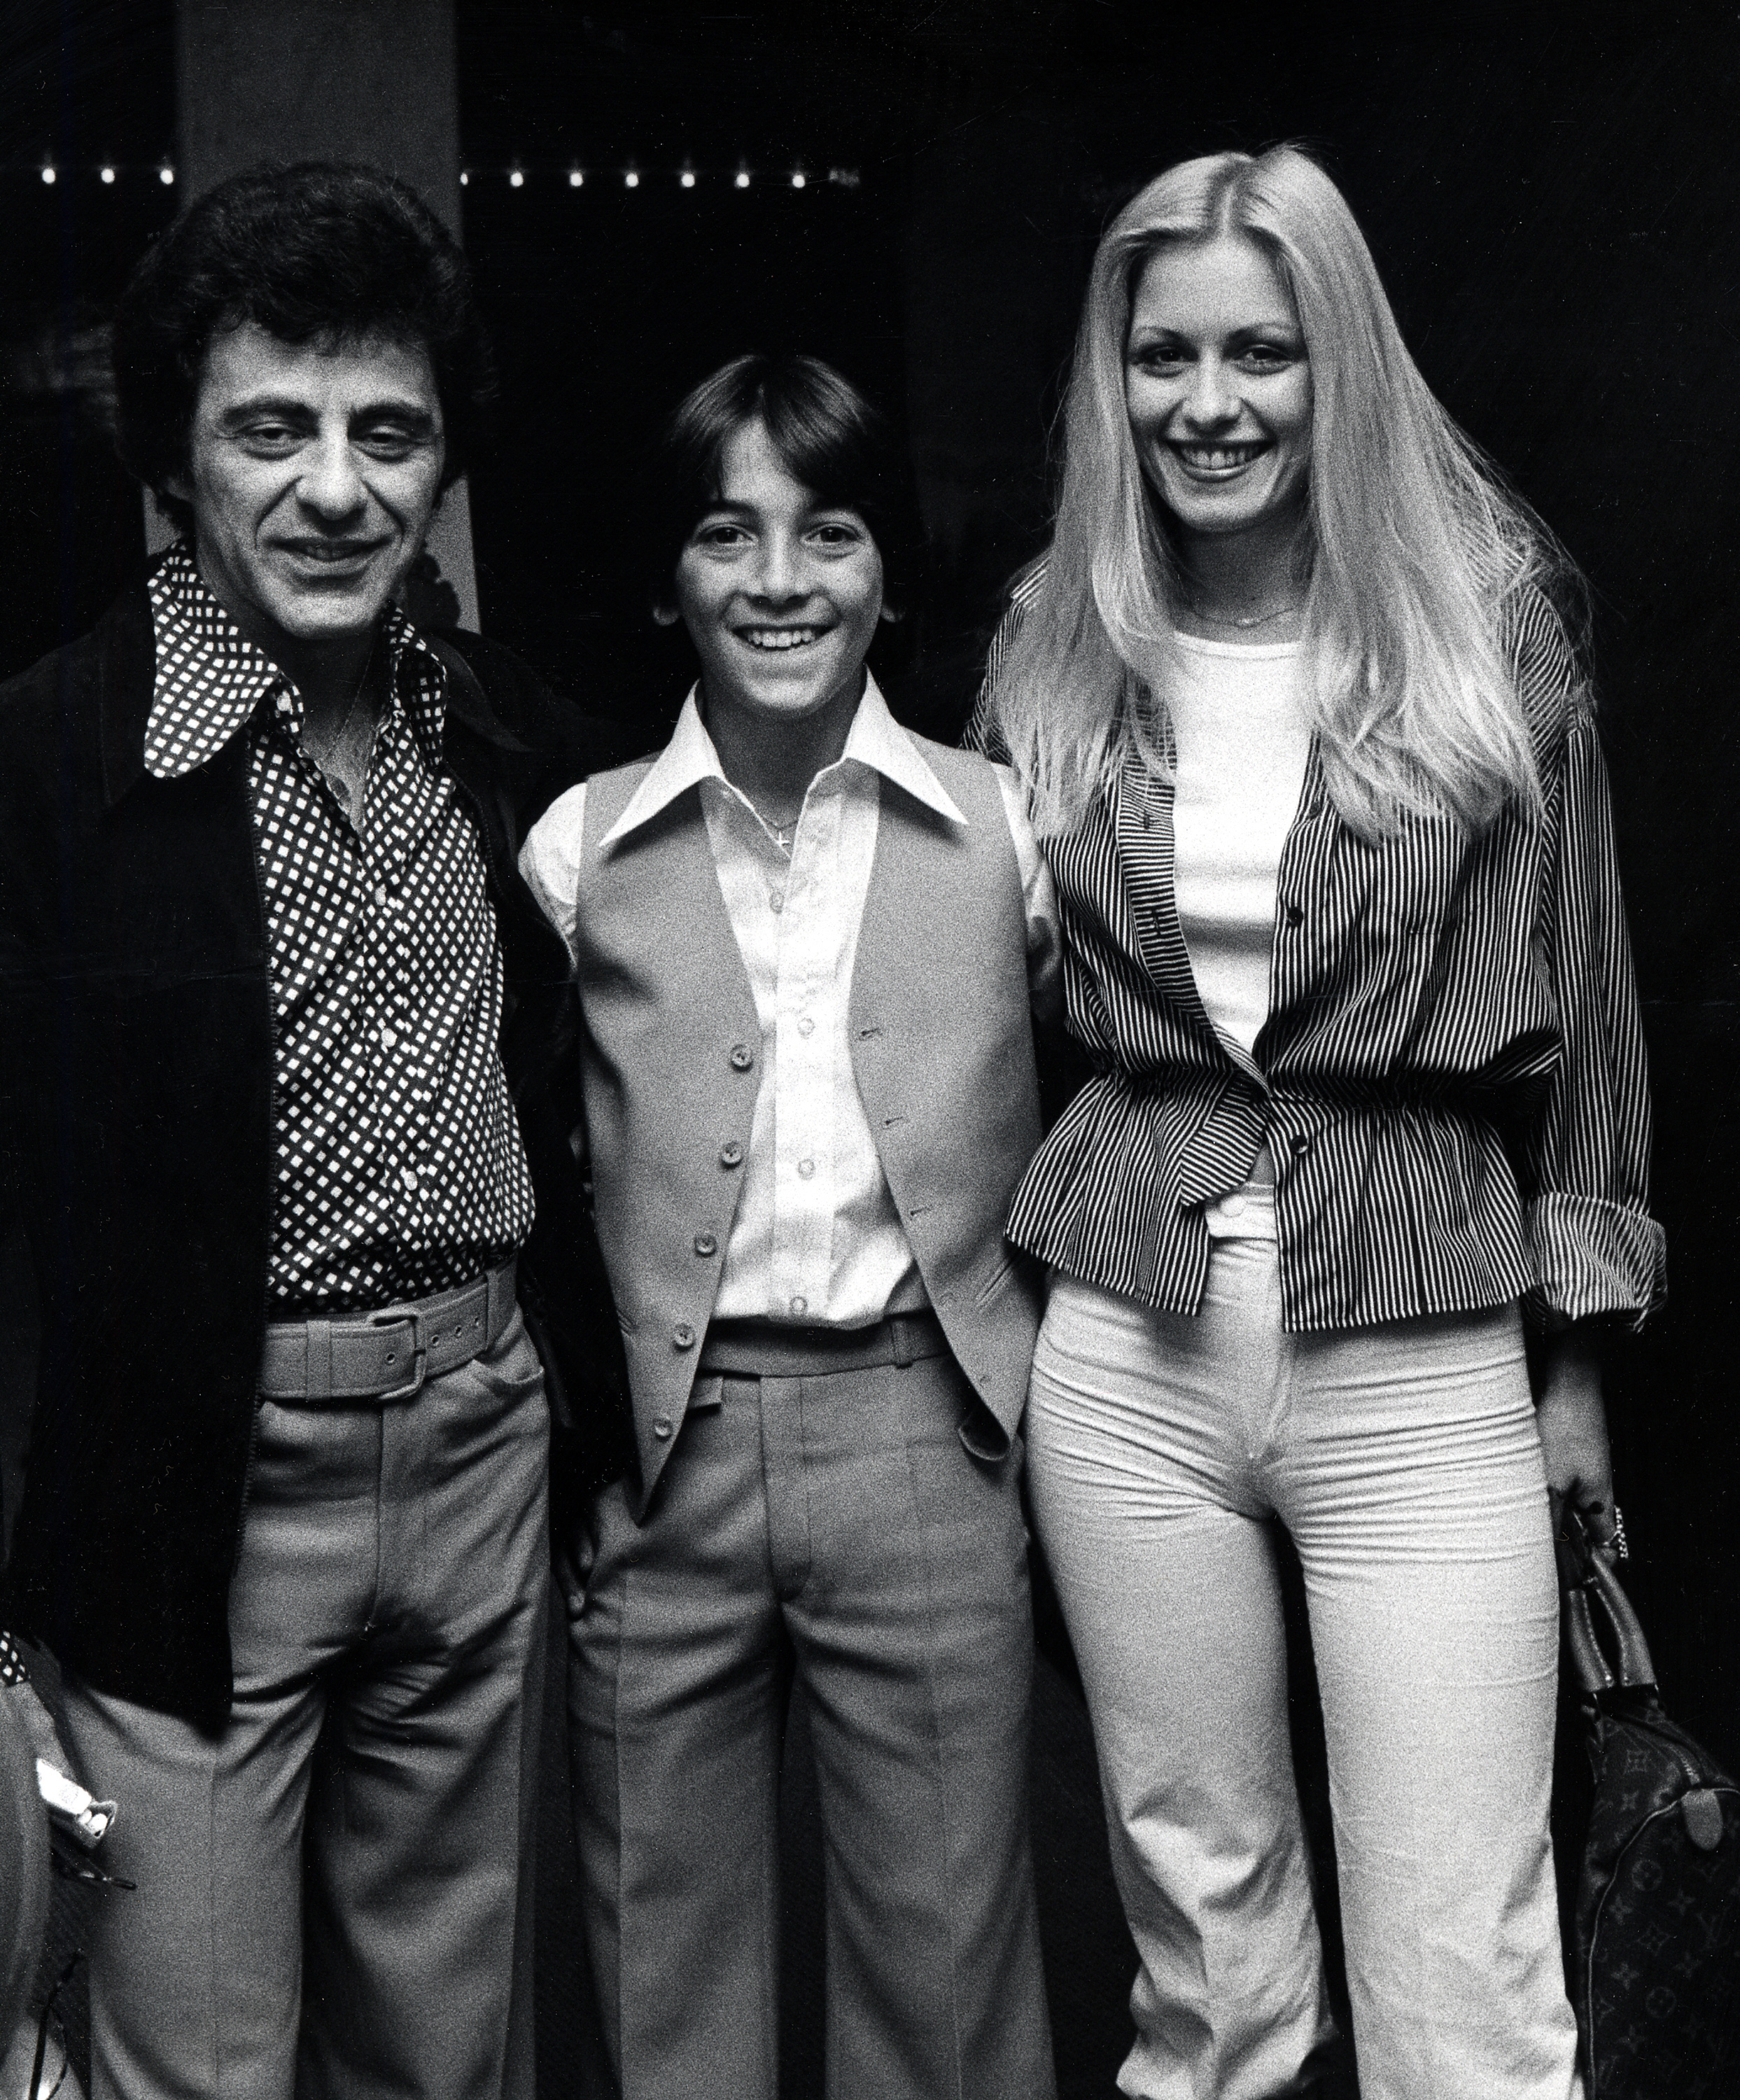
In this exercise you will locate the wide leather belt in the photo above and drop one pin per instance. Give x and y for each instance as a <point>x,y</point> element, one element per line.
<point>386,1355</point>
<point>768,1348</point>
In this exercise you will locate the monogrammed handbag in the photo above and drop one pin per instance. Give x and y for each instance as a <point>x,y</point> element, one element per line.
<point>1657,1957</point>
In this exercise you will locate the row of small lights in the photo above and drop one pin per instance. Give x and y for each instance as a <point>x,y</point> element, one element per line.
<point>687,178</point>
<point>163,171</point>
<point>846,178</point>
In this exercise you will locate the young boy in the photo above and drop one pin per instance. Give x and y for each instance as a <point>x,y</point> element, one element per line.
<point>807,945</point>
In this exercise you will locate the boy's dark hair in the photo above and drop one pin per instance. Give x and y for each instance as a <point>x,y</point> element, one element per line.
<point>318,252</point>
<point>829,436</point>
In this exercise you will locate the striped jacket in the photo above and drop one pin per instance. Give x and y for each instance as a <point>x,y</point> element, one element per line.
<point>1450,1080</point>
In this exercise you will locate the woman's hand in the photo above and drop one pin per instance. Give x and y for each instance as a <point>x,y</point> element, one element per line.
<point>1573,1426</point>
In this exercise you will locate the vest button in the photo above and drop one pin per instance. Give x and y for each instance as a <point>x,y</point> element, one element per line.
<point>683,1335</point>
<point>731,1153</point>
<point>742,1056</point>
<point>705,1243</point>
<point>662,1429</point>
<point>1299,1146</point>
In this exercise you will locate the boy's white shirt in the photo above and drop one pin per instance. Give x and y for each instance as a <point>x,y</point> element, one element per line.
<point>816,1238</point>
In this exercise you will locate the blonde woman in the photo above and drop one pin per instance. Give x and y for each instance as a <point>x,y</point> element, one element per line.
<point>1317,773</point>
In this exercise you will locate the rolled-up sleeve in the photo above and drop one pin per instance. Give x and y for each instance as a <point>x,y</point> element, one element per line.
<point>1595,1248</point>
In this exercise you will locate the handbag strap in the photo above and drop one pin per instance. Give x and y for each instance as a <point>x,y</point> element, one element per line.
<point>1596,1604</point>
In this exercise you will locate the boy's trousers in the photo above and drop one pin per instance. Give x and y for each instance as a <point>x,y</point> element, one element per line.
<point>829,1521</point>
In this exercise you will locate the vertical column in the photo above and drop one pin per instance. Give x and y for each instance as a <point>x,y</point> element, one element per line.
<point>330,80</point>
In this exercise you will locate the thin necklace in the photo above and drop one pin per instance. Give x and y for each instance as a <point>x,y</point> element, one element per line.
<point>337,737</point>
<point>781,834</point>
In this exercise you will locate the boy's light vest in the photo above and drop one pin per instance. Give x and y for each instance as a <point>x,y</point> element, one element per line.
<point>941,1049</point>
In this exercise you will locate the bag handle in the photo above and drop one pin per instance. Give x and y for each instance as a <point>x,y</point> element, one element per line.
<point>1595,1603</point>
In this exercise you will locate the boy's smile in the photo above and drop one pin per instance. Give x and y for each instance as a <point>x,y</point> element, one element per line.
<point>780,592</point>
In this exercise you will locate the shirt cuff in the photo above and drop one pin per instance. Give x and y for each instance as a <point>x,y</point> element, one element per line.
<point>1592,1258</point>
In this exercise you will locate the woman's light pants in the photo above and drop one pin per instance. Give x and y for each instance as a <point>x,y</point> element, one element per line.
<point>1405,1462</point>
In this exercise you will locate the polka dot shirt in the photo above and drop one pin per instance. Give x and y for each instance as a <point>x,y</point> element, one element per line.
<point>399,1169</point>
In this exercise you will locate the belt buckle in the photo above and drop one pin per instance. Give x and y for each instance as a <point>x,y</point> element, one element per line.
<point>406,1315</point>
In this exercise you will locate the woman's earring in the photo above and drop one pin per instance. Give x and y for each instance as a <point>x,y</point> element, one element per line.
<point>890,615</point>
<point>666,616</point>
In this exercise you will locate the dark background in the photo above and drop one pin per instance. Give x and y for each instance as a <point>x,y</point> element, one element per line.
<point>1552,198</point>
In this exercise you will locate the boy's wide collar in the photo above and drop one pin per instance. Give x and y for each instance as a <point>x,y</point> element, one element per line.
<point>875,740</point>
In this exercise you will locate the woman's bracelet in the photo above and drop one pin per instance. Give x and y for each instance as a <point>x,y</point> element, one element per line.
<point>12,1669</point>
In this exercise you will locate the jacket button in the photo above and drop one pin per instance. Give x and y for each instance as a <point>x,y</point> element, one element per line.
<point>1300,1146</point>
<point>705,1243</point>
<point>731,1154</point>
<point>742,1056</point>
<point>683,1335</point>
<point>1295,915</point>
<point>662,1429</point>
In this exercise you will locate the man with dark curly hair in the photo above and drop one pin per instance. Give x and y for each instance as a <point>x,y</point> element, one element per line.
<point>278,1073</point>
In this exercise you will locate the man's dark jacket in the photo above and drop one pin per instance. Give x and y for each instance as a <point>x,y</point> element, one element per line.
<point>136,1072</point>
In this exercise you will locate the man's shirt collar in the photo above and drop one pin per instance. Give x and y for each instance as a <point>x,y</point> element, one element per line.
<point>211,679</point>
<point>875,741</point>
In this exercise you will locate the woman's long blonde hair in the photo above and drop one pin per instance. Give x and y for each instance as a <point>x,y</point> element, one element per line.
<point>1415,549</point>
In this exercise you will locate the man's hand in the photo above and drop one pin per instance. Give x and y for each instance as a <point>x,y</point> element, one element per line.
<point>1573,1426</point>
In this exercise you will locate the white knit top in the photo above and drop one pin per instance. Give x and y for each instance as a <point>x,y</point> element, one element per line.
<point>1242,743</point>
